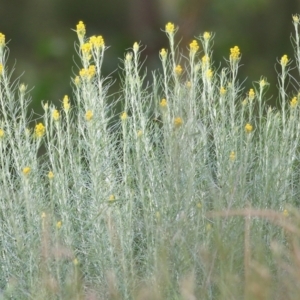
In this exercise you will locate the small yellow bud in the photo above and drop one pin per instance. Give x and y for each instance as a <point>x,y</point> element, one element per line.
<point>58,224</point>
<point>80,29</point>
<point>136,47</point>
<point>178,122</point>
<point>248,128</point>
<point>294,102</point>
<point>55,115</point>
<point>170,28</point>
<point>251,94</point>
<point>26,171</point>
<point>39,130</point>
<point>66,103</point>
<point>124,116</point>
<point>232,156</point>
<point>2,133</point>
<point>163,53</point>
<point>222,91</point>
<point>206,35</point>
<point>234,53</point>
<point>89,115</point>
<point>284,60</point>
<point>178,70</point>
<point>163,103</point>
<point>50,175</point>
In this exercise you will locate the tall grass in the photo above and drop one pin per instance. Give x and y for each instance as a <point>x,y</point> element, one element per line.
<point>190,192</point>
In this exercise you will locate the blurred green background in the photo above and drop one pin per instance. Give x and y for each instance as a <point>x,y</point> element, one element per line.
<point>41,41</point>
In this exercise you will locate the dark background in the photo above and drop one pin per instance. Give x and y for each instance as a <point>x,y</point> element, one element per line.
<point>41,41</point>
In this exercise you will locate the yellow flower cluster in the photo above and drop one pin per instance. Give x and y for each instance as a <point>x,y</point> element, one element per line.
<point>194,47</point>
<point>248,128</point>
<point>2,133</point>
<point>205,60</point>
<point>39,130</point>
<point>124,116</point>
<point>209,74</point>
<point>251,94</point>
<point>50,175</point>
<point>294,102</point>
<point>222,91</point>
<point>206,36</point>
<point>232,156</point>
<point>178,70</point>
<point>55,115</point>
<point>235,53</point>
<point>163,53</point>
<point>88,73</point>
<point>170,28</point>
<point>26,171</point>
<point>66,103</point>
<point>97,41</point>
<point>178,122</point>
<point>1,69</point>
<point>284,60</point>
<point>2,39</point>
<point>80,29</point>
<point>89,115</point>
<point>163,103</point>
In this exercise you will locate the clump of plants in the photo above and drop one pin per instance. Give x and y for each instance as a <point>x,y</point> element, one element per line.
<point>189,192</point>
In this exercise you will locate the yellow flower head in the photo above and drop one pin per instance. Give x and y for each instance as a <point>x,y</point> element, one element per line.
<point>232,156</point>
<point>58,224</point>
<point>2,39</point>
<point>194,47</point>
<point>26,171</point>
<point>112,198</point>
<point>209,74</point>
<point>188,84</point>
<point>1,69</point>
<point>294,102</point>
<point>263,83</point>
<point>296,19</point>
<point>50,175</point>
<point>284,60</point>
<point>89,115</point>
<point>205,60</point>
<point>163,53</point>
<point>136,47</point>
<point>2,133</point>
<point>178,122</point>
<point>86,48</point>
<point>97,41</point>
<point>43,215</point>
<point>22,88</point>
<point>222,91</point>
<point>77,80</point>
<point>55,115</point>
<point>248,128</point>
<point>178,70</point>
<point>139,133</point>
<point>163,103</point>
<point>80,29</point>
<point>206,36</point>
<point>235,53</point>
<point>39,130</point>
<point>170,28</point>
<point>66,103</point>
<point>124,116</point>
<point>251,94</point>
<point>285,213</point>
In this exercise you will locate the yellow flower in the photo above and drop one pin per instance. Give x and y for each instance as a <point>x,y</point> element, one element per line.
<point>139,133</point>
<point>89,115</point>
<point>188,84</point>
<point>163,103</point>
<point>222,91</point>
<point>206,35</point>
<point>112,198</point>
<point>58,224</point>
<point>22,88</point>
<point>178,70</point>
<point>124,116</point>
<point>66,103</point>
<point>234,53</point>
<point>50,175</point>
<point>296,19</point>
<point>170,28</point>
<point>194,47</point>
<point>136,47</point>
<point>39,130</point>
<point>163,53</point>
<point>232,156</point>
<point>80,29</point>
<point>209,74</point>
<point>2,133</point>
<point>75,261</point>
<point>262,83</point>
<point>2,39</point>
<point>77,80</point>
<point>86,48</point>
<point>1,69</point>
<point>285,213</point>
<point>88,73</point>
<point>248,128</point>
<point>284,60</point>
<point>26,171</point>
<point>97,41</point>
<point>43,215</point>
<point>294,102</point>
<point>251,94</point>
<point>205,60</point>
<point>178,122</point>
<point>55,115</point>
